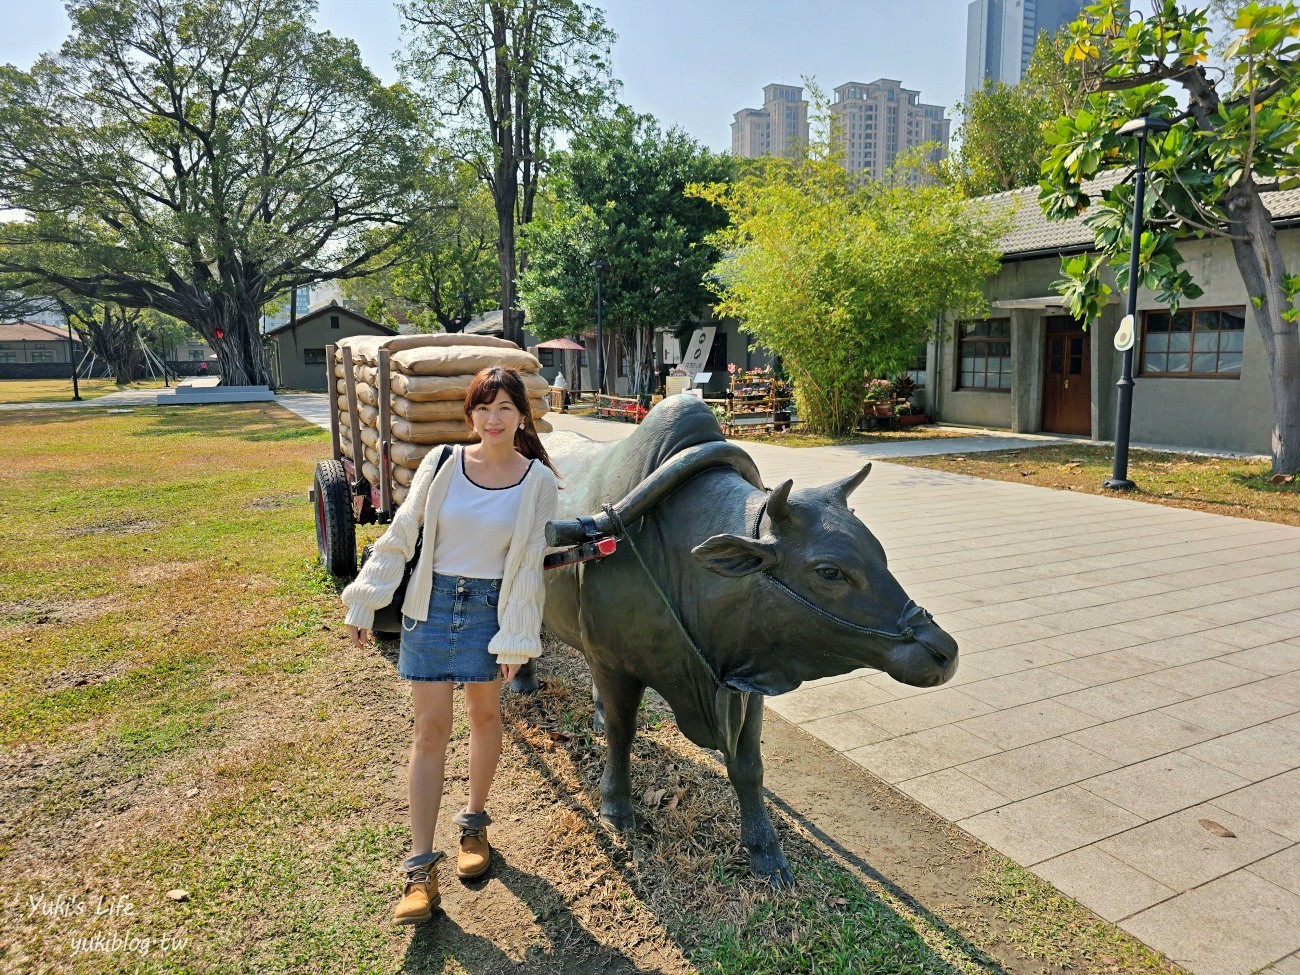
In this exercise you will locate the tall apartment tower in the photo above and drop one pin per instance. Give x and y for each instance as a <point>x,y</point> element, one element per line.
<point>1001,34</point>
<point>779,128</point>
<point>880,120</point>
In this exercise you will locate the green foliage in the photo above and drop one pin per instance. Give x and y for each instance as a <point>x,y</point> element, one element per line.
<point>451,251</point>
<point>505,79</point>
<point>842,280</point>
<point>1001,134</point>
<point>199,157</point>
<point>619,195</point>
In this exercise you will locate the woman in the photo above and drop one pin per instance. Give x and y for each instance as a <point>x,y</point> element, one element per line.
<point>472,612</point>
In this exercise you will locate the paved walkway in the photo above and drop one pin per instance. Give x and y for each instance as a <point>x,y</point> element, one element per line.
<point>1125,721</point>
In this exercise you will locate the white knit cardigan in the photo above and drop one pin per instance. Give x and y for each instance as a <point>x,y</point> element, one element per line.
<point>523,593</point>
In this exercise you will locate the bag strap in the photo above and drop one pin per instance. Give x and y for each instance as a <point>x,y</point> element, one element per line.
<point>447,450</point>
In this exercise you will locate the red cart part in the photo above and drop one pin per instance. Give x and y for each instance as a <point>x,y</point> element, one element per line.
<point>586,552</point>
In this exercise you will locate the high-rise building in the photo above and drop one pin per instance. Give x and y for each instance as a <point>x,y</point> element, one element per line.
<point>880,120</point>
<point>779,128</point>
<point>1001,34</point>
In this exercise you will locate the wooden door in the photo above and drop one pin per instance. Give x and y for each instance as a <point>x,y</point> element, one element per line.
<point>1067,377</point>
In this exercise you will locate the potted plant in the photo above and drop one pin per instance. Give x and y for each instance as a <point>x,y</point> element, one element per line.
<point>907,415</point>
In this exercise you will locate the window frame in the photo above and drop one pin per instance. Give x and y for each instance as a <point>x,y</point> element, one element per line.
<point>965,341</point>
<point>309,357</point>
<point>1192,352</point>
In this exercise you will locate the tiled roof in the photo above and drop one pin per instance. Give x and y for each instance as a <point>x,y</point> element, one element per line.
<point>32,332</point>
<point>1032,232</point>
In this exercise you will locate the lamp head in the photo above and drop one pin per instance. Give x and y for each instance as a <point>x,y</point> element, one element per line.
<point>1143,126</point>
<point>599,264</point>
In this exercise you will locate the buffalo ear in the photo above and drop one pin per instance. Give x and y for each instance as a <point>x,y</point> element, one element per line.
<point>846,486</point>
<point>733,555</point>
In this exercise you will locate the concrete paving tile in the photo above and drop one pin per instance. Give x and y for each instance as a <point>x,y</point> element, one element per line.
<point>1273,804</point>
<point>1281,868</point>
<point>1048,825</point>
<point>1105,668</point>
<point>1027,723</point>
<point>952,794</point>
<point>1094,617</point>
<point>1226,711</point>
<point>1284,687</point>
<point>1010,660</point>
<point>810,703</point>
<point>1290,965</point>
<point>1253,753</point>
<point>1184,649</point>
<point>1254,633</point>
<point>845,731</point>
<point>947,706</point>
<point>1202,677</point>
<point>1166,625</point>
<point>1086,643</point>
<point>1108,887</point>
<point>1008,634</point>
<point>1181,853</point>
<point>917,754</point>
<point>1229,927</point>
<point>1011,690</point>
<point>1109,702</point>
<point>1271,659</point>
<point>1163,785</point>
<point>1040,767</point>
<point>1140,736</point>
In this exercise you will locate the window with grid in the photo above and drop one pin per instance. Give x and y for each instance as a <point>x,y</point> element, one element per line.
<point>1194,343</point>
<point>984,354</point>
<point>546,357</point>
<point>42,355</point>
<point>313,357</point>
<point>917,369</point>
<point>8,356</point>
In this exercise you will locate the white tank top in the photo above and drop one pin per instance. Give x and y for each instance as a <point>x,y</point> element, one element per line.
<point>475,525</point>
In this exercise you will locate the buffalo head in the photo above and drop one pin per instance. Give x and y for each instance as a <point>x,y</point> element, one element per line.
<point>827,595</point>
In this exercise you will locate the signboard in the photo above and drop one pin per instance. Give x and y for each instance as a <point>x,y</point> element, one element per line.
<point>697,352</point>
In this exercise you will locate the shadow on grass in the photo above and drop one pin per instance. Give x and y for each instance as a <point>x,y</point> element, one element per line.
<point>431,946</point>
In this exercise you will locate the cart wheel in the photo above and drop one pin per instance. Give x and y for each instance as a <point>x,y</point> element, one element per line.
<point>336,535</point>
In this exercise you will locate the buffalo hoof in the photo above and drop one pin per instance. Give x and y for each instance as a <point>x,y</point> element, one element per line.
<point>620,822</point>
<point>772,867</point>
<point>525,682</point>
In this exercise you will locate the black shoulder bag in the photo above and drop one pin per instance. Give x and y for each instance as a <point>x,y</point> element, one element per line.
<point>388,619</point>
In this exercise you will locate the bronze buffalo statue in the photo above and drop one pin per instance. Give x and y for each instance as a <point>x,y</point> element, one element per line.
<point>719,593</point>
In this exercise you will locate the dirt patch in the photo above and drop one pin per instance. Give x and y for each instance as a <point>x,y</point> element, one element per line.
<point>114,526</point>
<point>277,501</point>
<point>64,679</point>
<point>148,575</point>
<point>38,612</point>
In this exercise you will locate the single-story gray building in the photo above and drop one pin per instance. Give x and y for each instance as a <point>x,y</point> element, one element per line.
<point>298,348</point>
<point>1200,375</point>
<point>31,350</point>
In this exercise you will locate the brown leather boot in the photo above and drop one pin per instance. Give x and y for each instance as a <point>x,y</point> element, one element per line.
<point>475,854</point>
<point>420,893</point>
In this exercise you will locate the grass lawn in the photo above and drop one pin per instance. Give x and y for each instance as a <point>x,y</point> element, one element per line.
<point>60,390</point>
<point>1221,485</point>
<point>200,769</point>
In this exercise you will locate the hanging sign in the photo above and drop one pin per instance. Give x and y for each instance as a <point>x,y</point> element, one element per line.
<point>1124,337</point>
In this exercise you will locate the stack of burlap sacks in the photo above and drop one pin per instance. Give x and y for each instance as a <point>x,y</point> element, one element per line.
<point>429,376</point>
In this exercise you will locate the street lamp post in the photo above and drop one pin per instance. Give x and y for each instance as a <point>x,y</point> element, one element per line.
<point>72,357</point>
<point>1118,481</point>
<point>599,265</point>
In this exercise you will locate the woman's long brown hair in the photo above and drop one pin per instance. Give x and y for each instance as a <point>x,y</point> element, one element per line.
<point>483,388</point>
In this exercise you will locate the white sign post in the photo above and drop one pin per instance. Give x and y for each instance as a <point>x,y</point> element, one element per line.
<point>697,353</point>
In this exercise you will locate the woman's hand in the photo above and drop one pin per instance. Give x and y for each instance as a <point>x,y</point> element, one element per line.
<point>508,672</point>
<point>358,636</point>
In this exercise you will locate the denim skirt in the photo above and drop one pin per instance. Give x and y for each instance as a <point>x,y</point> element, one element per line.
<point>452,644</point>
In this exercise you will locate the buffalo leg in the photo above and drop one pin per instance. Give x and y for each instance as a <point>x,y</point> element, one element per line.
<point>621,696</point>
<point>745,769</point>
<point>525,680</point>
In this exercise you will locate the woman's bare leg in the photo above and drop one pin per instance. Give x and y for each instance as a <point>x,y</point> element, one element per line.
<point>432,703</point>
<point>483,706</point>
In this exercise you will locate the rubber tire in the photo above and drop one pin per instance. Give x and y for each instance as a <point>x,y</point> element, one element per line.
<point>336,535</point>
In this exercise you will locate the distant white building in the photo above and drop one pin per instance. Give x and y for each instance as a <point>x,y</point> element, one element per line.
<point>880,120</point>
<point>310,298</point>
<point>779,128</point>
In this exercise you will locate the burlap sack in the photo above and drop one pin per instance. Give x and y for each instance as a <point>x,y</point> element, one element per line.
<point>447,409</point>
<point>428,389</point>
<point>461,361</point>
<point>437,431</point>
<point>365,348</point>
<point>371,473</point>
<point>402,475</point>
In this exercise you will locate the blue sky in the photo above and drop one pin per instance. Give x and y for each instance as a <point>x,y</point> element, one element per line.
<point>689,62</point>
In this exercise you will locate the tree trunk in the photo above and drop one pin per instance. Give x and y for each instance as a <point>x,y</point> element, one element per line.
<point>510,325</point>
<point>1259,260</point>
<point>239,349</point>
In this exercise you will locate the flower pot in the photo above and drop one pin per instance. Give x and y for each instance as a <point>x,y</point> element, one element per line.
<point>912,420</point>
